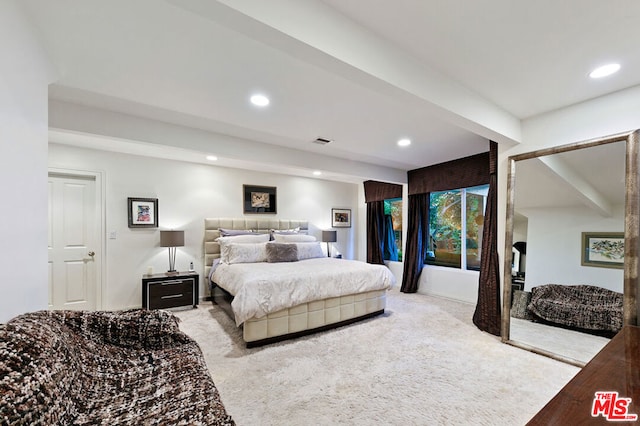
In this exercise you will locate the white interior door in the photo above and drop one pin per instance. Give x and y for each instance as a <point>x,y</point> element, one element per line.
<point>74,246</point>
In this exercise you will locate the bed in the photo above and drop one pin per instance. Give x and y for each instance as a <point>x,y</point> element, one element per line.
<point>275,300</point>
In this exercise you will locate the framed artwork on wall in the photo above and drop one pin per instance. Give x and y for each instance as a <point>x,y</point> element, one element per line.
<point>259,199</point>
<point>341,218</point>
<point>143,212</point>
<point>603,249</point>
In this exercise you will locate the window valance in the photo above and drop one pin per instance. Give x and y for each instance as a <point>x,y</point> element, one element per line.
<point>461,173</point>
<point>380,191</point>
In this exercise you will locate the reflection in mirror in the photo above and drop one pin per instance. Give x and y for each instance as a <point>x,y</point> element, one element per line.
<point>559,306</point>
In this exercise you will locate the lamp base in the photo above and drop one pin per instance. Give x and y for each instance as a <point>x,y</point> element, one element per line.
<point>174,272</point>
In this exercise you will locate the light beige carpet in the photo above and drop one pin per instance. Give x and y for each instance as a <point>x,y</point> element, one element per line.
<point>422,363</point>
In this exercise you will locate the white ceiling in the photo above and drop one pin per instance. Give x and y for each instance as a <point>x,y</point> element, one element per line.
<point>447,74</point>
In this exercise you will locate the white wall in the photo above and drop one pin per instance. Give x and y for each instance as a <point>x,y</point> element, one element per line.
<point>554,247</point>
<point>450,283</point>
<point>24,76</point>
<point>187,193</point>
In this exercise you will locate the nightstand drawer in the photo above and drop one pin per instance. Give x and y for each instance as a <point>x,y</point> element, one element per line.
<point>158,301</point>
<point>164,288</point>
<point>169,292</point>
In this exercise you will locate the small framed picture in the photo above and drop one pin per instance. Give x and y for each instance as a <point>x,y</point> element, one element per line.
<point>341,218</point>
<point>259,199</point>
<point>603,249</point>
<point>143,212</point>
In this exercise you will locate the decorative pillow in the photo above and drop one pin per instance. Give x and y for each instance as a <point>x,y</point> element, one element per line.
<point>245,253</point>
<point>246,238</point>
<point>282,252</point>
<point>286,231</point>
<point>293,238</point>
<point>289,231</point>
<point>309,250</point>
<point>233,232</point>
<point>239,239</point>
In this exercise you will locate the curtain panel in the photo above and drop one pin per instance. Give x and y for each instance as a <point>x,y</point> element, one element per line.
<point>417,240</point>
<point>375,232</point>
<point>488,315</point>
<point>374,194</point>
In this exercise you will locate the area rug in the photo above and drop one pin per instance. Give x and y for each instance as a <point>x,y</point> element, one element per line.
<point>422,363</point>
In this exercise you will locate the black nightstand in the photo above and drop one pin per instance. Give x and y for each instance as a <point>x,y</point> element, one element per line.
<point>161,291</point>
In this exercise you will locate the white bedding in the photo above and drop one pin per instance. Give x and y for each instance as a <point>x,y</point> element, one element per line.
<point>263,288</point>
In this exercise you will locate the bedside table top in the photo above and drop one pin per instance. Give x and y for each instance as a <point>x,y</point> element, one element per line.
<point>168,275</point>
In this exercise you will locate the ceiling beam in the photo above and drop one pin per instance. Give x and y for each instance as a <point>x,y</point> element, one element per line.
<point>589,195</point>
<point>313,31</point>
<point>96,128</point>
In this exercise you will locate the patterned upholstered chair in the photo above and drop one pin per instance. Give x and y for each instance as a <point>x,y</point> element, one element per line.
<point>130,367</point>
<point>581,306</point>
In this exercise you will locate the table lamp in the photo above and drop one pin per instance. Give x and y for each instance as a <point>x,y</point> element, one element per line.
<point>329,237</point>
<point>172,239</point>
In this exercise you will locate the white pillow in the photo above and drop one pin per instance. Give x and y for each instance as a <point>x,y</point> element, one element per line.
<point>245,252</point>
<point>309,250</point>
<point>238,239</point>
<point>234,232</point>
<point>293,238</point>
<point>288,231</point>
<point>247,238</point>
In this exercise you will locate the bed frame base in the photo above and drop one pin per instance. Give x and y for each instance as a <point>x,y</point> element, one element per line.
<point>304,319</point>
<point>297,334</point>
<point>222,298</point>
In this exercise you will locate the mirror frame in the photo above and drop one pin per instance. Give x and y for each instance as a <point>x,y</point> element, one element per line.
<point>631,231</point>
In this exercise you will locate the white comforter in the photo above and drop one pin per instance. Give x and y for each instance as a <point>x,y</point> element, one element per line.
<point>263,288</point>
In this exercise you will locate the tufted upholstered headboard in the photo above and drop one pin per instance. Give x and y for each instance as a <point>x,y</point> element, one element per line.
<point>212,225</point>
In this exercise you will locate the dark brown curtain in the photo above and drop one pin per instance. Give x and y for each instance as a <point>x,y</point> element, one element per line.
<point>374,194</point>
<point>417,240</point>
<point>487,316</point>
<point>375,232</point>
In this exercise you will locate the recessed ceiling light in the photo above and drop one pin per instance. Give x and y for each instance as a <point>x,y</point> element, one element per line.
<point>404,142</point>
<point>212,158</point>
<point>317,173</point>
<point>260,100</point>
<point>604,70</point>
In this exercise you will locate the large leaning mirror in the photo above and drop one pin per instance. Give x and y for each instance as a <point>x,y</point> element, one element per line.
<point>571,247</point>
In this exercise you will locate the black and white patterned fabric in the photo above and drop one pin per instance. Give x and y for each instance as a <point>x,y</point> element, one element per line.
<point>110,368</point>
<point>582,306</point>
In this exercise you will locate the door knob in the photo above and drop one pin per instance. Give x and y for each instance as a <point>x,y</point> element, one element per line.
<point>92,253</point>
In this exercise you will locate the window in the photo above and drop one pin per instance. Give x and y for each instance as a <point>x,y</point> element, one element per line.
<point>456,219</point>
<point>393,228</point>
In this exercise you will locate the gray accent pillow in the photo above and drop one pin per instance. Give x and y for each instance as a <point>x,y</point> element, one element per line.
<point>282,252</point>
